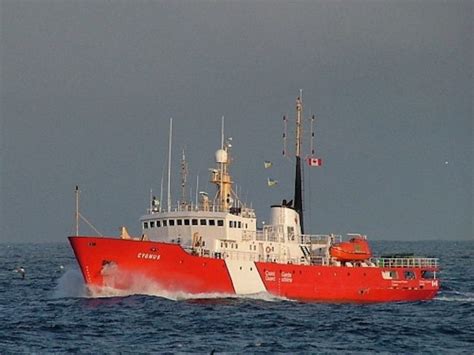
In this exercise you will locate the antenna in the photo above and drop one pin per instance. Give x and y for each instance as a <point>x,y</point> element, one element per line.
<point>161,188</point>
<point>222,133</point>
<point>299,126</point>
<point>312,135</point>
<point>285,130</point>
<point>169,165</point>
<point>151,200</point>
<point>197,189</point>
<point>221,168</point>
<point>184,176</point>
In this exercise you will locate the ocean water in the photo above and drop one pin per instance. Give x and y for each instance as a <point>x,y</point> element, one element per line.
<point>49,312</point>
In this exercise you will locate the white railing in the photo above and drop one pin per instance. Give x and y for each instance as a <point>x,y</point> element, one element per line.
<point>320,238</point>
<point>406,262</point>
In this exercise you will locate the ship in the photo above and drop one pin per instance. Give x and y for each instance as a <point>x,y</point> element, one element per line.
<point>212,246</point>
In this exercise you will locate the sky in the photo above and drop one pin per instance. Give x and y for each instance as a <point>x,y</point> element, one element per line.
<point>87,89</point>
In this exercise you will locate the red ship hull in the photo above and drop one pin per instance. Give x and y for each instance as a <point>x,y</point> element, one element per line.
<point>121,264</point>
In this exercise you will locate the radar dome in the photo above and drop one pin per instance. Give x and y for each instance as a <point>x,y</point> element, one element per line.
<point>221,156</point>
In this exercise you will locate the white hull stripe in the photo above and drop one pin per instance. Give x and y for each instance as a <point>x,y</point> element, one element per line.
<point>245,277</point>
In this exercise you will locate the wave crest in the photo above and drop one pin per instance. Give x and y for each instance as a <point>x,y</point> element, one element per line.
<point>71,285</point>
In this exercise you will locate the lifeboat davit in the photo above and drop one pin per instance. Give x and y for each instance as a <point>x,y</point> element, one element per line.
<point>355,249</point>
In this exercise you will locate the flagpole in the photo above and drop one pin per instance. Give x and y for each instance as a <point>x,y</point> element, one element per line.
<point>77,210</point>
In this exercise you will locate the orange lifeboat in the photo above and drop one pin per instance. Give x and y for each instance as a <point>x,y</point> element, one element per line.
<point>355,249</point>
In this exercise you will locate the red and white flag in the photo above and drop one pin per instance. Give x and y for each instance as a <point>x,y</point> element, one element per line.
<point>315,161</point>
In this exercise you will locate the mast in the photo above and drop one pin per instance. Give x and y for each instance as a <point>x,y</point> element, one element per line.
<point>221,176</point>
<point>169,166</point>
<point>298,204</point>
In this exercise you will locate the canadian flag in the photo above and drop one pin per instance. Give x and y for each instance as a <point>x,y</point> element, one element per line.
<point>315,161</point>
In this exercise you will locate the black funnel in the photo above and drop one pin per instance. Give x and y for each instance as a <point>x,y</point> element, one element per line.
<point>299,192</point>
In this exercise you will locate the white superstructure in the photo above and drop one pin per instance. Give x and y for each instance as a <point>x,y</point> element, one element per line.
<point>225,227</point>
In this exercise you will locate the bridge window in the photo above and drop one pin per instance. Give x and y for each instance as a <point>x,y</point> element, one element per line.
<point>212,222</point>
<point>165,223</point>
<point>171,222</point>
<point>194,222</point>
<point>203,222</point>
<point>158,224</point>
<point>240,224</point>
<point>152,224</point>
<point>220,223</point>
<point>409,275</point>
<point>179,222</point>
<point>186,222</point>
<point>231,224</point>
<point>145,225</point>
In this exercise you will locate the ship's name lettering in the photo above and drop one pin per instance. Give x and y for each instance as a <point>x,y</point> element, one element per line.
<point>148,256</point>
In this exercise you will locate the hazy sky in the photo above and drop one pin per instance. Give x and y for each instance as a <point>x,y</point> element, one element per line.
<point>88,87</point>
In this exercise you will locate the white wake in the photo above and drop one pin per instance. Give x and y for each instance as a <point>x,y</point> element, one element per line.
<point>455,296</point>
<point>71,285</point>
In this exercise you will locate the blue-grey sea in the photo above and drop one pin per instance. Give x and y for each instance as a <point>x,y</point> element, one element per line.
<point>49,312</point>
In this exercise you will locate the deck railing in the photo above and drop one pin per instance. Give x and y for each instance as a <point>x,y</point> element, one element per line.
<point>406,262</point>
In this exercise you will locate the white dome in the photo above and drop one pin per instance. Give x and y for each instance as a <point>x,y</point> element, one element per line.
<point>221,156</point>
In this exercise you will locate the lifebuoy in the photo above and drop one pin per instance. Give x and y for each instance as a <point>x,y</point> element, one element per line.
<point>268,250</point>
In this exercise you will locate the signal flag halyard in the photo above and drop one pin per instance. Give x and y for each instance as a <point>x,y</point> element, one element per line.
<point>314,161</point>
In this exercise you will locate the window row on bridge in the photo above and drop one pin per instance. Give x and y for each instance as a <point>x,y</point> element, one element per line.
<point>183,222</point>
